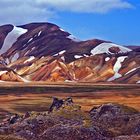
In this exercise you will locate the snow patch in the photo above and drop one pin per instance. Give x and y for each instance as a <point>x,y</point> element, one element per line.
<point>72,37</point>
<point>56,54</point>
<point>86,55</point>
<point>30,40</point>
<point>70,81</point>
<point>107,59</point>
<point>117,67</point>
<point>1,81</point>
<point>24,80</point>
<point>2,72</point>
<point>104,48</point>
<point>32,48</point>
<point>30,59</point>
<point>42,57</point>
<point>132,70</point>
<point>15,57</point>
<point>62,52</point>
<point>11,38</point>
<point>63,58</point>
<point>138,82</point>
<point>78,56</point>
<point>62,29</point>
<point>39,33</point>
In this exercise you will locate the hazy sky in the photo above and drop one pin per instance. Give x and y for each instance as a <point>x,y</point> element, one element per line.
<point>115,20</point>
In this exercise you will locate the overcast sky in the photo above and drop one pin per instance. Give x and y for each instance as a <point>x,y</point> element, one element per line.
<point>115,20</point>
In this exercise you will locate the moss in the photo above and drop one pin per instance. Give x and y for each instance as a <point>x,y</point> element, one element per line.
<point>69,112</point>
<point>74,112</point>
<point>87,123</point>
<point>127,109</point>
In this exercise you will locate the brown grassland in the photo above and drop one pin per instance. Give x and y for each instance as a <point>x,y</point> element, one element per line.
<point>37,97</point>
<point>22,97</point>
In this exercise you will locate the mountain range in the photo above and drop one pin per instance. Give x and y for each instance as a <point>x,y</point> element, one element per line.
<point>45,52</point>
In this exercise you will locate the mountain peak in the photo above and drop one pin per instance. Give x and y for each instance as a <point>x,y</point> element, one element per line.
<point>45,52</point>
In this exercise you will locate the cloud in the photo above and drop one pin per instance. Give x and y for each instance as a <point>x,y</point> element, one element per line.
<point>23,11</point>
<point>91,6</point>
<point>20,12</point>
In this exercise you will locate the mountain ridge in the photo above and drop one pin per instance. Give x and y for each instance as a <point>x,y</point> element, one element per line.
<point>45,52</point>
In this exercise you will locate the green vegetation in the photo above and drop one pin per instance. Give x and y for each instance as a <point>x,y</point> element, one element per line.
<point>74,112</point>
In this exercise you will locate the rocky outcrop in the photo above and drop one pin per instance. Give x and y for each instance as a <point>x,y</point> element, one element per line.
<point>59,103</point>
<point>65,120</point>
<point>119,119</point>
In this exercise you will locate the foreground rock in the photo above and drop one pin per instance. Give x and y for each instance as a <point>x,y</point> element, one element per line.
<point>66,121</point>
<point>118,119</point>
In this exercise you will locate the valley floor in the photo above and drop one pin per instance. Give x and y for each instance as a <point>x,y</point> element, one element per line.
<point>23,97</point>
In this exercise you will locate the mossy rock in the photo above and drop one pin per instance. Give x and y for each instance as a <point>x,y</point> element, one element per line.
<point>127,109</point>
<point>72,112</point>
<point>114,109</point>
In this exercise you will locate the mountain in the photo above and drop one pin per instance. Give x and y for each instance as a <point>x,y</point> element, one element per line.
<point>45,52</point>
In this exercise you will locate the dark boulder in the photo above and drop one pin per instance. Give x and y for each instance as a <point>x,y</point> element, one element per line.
<point>58,103</point>
<point>14,119</point>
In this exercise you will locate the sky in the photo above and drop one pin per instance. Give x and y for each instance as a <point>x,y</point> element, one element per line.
<point>114,20</point>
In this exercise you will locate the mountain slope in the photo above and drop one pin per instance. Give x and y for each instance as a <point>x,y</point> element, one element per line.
<point>45,52</point>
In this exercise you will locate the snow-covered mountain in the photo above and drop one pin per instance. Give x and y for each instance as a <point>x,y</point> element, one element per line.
<point>45,52</point>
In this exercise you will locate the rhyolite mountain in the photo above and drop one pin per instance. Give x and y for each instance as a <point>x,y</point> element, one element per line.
<point>45,52</point>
